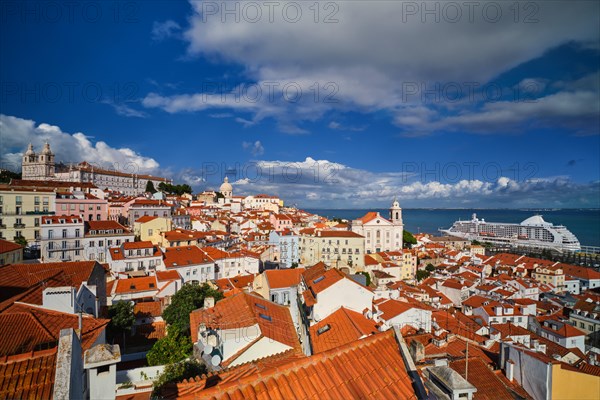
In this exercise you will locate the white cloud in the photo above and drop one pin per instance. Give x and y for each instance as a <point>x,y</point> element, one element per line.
<point>16,133</point>
<point>256,148</point>
<point>321,183</point>
<point>365,59</point>
<point>165,30</point>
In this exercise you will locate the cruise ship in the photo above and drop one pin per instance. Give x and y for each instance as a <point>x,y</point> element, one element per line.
<point>533,232</point>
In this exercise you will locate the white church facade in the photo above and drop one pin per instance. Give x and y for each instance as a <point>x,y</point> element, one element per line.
<point>380,233</point>
<point>42,167</point>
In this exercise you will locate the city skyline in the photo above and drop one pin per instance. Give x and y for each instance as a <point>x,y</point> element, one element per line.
<point>172,89</point>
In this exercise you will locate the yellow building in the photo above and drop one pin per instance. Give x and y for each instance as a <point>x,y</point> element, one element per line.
<point>554,276</point>
<point>149,228</point>
<point>568,383</point>
<point>21,212</point>
<point>340,249</point>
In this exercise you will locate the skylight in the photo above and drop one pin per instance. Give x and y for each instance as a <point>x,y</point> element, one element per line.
<point>319,279</point>
<point>260,306</point>
<point>323,329</point>
<point>267,317</point>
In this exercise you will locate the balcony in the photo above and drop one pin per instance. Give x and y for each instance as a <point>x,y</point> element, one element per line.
<point>2,226</point>
<point>67,248</point>
<point>39,213</point>
<point>19,226</point>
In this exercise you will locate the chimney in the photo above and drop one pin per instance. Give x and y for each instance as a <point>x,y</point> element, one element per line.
<point>510,370</point>
<point>209,302</point>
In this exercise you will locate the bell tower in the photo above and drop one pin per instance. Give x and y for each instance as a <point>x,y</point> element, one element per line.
<point>396,213</point>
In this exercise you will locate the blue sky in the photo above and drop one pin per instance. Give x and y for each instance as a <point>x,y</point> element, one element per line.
<point>494,106</point>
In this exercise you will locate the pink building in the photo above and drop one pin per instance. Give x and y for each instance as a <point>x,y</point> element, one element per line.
<point>90,207</point>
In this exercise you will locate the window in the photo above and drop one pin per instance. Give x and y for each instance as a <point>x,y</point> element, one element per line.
<point>92,243</point>
<point>100,243</point>
<point>265,317</point>
<point>50,234</point>
<point>323,329</point>
<point>77,233</point>
<point>64,233</point>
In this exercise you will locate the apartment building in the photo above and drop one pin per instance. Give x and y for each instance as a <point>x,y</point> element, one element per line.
<point>21,212</point>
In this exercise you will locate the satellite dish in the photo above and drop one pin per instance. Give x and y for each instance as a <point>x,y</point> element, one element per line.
<point>208,349</point>
<point>215,361</point>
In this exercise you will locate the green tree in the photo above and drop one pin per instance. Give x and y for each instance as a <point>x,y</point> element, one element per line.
<point>294,265</point>
<point>429,267</point>
<point>220,195</point>
<point>121,318</point>
<point>162,187</point>
<point>177,372</point>
<point>422,274</point>
<point>408,239</point>
<point>6,175</point>
<point>21,241</point>
<point>186,300</point>
<point>150,187</point>
<point>171,349</point>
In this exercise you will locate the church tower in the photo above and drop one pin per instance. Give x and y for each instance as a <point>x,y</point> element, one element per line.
<point>38,166</point>
<point>396,213</point>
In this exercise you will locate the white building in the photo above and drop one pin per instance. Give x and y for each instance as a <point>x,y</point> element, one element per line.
<point>42,167</point>
<point>193,264</point>
<point>287,245</point>
<point>135,256</point>
<point>100,236</point>
<point>381,234</point>
<point>397,313</point>
<point>62,238</point>
<point>325,291</point>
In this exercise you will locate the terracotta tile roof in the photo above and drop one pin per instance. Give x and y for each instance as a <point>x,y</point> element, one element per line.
<point>324,281</point>
<point>341,327</point>
<point>167,275</point>
<point>68,219</point>
<point>6,246</point>
<point>314,271</point>
<point>237,282</point>
<point>369,260</point>
<point>369,368</point>
<point>489,385</point>
<point>181,256</point>
<point>25,327</point>
<point>106,226</point>
<point>243,310</point>
<point>147,309</point>
<point>137,245</point>
<point>28,376</point>
<point>391,308</point>
<point>283,278</point>
<point>155,330</point>
<point>18,278</point>
<point>134,285</point>
<point>334,234</point>
<point>145,218</point>
<point>370,216</point>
